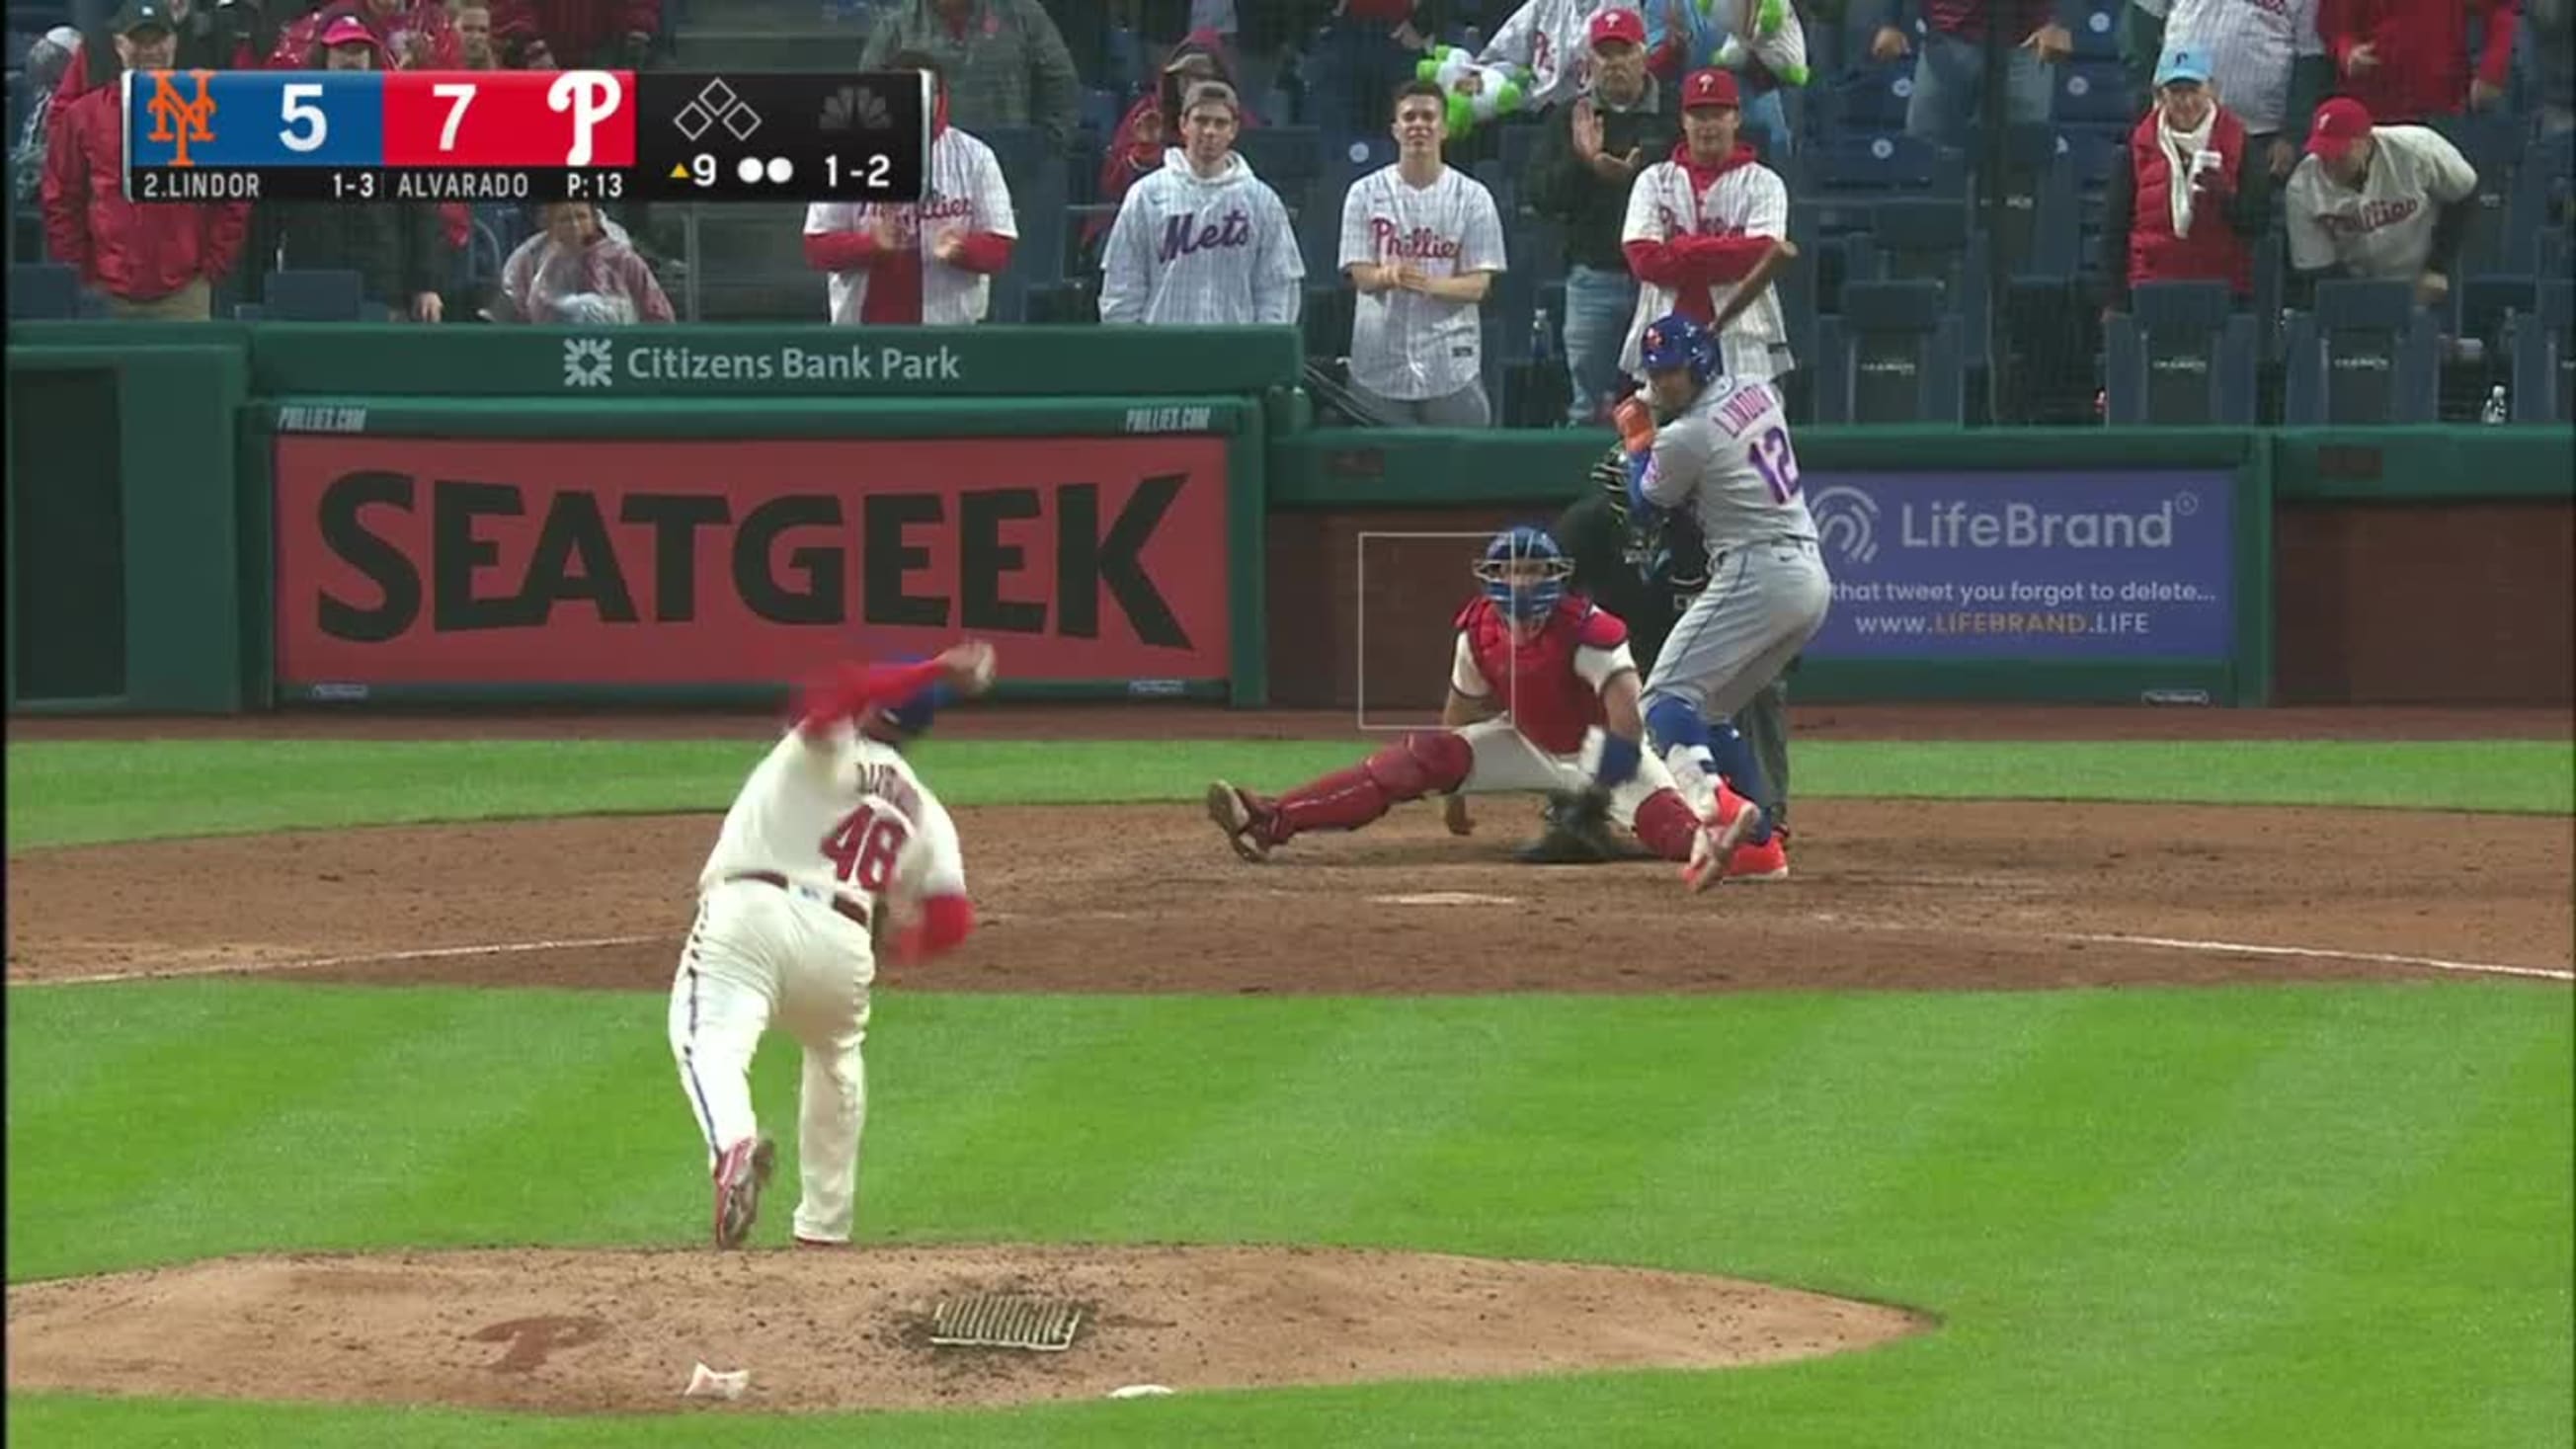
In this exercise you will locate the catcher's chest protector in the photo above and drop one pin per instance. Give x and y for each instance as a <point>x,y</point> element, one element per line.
<point>1547,700</point>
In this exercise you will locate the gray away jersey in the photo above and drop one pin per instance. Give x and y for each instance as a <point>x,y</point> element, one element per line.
<point>1728,459</point>
<point>1214,252</point>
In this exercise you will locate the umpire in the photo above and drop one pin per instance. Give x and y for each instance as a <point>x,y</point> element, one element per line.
<point>1647,572</point>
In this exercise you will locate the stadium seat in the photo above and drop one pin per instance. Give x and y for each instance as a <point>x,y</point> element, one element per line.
<point>2481,306</point>
<point>43,292</point>
<point>296,294</point>
<point>2271,275</point>
<point>2367,354</point>
<point>2182,354</point>
<point>1872,166</point>
<point>2492,149</point>
<point>1914,238</point>
<point>1288,157</point>
<point>2541,200</point>
<point>2096,27</point>
<point>1520,143</point>
<point>1873,99</point>
<point>2094,91</point>
<point>2544,361</point>
<point>2038,220</point>
<point>1319,230</point>
<point>1891,357</point>
<point>1039,201</point>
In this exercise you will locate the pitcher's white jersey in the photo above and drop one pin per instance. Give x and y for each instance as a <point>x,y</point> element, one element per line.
<point>836,816</point>
<point>1729,460</point>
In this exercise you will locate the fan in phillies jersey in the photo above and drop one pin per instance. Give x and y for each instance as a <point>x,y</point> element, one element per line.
<point>1722,451</point>
<point>1202,242</point>
<point>1422,242</point>
<point>1540,683</point>
<point>832,832</point>
<point>930,262</point>
<point>1698,223</point>
<point>2387,203</point>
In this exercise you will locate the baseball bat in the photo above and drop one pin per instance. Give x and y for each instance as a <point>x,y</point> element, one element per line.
<point>1755,282</point>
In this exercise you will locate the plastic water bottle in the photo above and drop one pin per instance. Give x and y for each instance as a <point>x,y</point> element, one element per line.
<point>2495,411</point>
<point>1542,337</point>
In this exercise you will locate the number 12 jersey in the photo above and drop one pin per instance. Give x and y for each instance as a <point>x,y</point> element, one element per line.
<point>1729,460</point>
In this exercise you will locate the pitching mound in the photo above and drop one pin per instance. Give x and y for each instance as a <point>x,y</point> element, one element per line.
<point>577,1332</point>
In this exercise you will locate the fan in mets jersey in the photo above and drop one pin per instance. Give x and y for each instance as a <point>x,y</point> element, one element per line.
<point>1422,242</point>
<point>1542,696</point>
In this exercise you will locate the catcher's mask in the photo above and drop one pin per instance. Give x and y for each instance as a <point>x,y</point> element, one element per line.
<point>1525,573</point>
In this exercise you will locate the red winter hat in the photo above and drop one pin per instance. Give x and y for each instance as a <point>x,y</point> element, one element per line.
<point>1710,87</point>
<point>2340,122</point>
<point>347,30</point>
<point>1616,24</point>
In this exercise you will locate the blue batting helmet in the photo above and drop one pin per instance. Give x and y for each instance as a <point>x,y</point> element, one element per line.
<point>912,716</point>
<point>1509,582</point>
<point>1678,341</point>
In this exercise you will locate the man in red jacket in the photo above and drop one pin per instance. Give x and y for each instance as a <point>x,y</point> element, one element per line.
<point>2408,60</point>
<point>154,260</point>
<point>2181,205</point>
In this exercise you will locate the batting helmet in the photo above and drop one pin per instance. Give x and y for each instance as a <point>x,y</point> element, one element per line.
<point>1678,341</point>
<point>1524,593</point>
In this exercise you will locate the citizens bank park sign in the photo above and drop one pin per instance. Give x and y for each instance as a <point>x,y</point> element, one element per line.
<point>595,363</point>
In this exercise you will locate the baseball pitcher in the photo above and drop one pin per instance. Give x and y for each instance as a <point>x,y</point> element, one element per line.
<point>1722,453</point>
<point>1542,696</point>
<point>833,836</point>
<point>1646,567</point>
<point>1202,242</point>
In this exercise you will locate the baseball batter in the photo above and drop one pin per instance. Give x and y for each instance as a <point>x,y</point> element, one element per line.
<point>1202,242</point>
<point>927,263</point>
<point>1723,453</point>
<point>832,835</point>
<point>1422,242</point>
<point>1542,697</point>
<point>1700,223</point>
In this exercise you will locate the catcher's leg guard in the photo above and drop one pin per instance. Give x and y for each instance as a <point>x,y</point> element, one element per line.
<point>1425,762</point>
<point>1667,825</point>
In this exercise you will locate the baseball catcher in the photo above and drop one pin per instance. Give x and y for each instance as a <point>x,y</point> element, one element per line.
<point>1542,696</point>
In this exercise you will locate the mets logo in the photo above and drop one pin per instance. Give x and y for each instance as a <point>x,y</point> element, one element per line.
<point>585,362</point>
<point>1847,521</point>
<point>177,119</point>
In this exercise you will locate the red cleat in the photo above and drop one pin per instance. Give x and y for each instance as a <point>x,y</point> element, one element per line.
<point>1768,861</point>
<point>1723,829</point>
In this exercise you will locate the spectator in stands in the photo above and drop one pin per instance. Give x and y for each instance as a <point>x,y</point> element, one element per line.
<point>932,262</point>
<point>2408,60</point>
<point>209,37</point>
<point>2551,51</point>
<point>1551,39</point>
<point>1579,175</point>
<point>1950,74</point>
<point>2381,202</point>
<point>418,35</point>
<point>526,52</point>
<point>1698,223</point>
<point>1202,241</point>
<point>1765,43</point>
<point>597,34</point>
<point>474,36</point>
<point>2186,198</point>
<point>2266,62</point>
<point>152,261</point>
<point>1138,146</point>
<point>1422,242</point>
<point>1361,53</point>
<point>393,245</point>
<point>581,270</point>
<point>46,62</point>
<point>1005,61</point>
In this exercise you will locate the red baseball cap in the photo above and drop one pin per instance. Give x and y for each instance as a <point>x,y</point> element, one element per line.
<point>348,30</point>
<point>1615,24</point>
<point>2340,122</point>
<point>1710,87</point>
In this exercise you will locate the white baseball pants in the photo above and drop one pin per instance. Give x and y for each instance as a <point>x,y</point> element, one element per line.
<point>1507,760</point>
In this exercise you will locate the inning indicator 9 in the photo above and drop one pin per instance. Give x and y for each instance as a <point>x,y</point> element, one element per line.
<point>481,136</point>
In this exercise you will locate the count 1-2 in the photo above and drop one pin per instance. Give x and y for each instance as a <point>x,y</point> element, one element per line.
<point>872,173</point>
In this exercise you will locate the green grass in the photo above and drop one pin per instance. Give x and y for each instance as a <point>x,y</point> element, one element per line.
<point>2252,1217</point>
<point>75,793</point>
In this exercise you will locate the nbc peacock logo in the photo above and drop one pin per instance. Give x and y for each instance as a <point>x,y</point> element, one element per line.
<point>1847,521</point>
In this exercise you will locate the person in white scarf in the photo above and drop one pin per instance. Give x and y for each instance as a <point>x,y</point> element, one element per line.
<point>2180,204</point>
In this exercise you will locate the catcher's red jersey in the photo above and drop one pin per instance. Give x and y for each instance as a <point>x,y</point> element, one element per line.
<point>1552,681</point>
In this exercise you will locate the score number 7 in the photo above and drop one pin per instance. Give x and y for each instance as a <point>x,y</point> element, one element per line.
<point>296,108</point>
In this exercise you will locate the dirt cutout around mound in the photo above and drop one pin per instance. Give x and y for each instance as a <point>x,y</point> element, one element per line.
<point>619,1332</point>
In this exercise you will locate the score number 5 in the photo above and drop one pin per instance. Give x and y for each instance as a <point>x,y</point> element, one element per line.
<point>296,108</point>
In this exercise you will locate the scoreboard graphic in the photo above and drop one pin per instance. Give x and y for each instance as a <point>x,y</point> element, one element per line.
<point>525,136</point>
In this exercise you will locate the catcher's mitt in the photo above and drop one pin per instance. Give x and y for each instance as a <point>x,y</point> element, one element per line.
<point>1577,831</point>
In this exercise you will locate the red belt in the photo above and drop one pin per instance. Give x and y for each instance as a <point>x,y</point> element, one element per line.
<point>840,903</point>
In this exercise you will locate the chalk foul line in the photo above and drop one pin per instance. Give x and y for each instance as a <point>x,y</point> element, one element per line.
<point>369,958</point>
<point>2385,958</point>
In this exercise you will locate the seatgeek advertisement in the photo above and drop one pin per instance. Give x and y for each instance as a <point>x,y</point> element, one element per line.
<point>2036,565</point>
<point>597,562</point>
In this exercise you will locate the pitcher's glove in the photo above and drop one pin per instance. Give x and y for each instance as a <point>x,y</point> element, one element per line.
<point>1577,831</point>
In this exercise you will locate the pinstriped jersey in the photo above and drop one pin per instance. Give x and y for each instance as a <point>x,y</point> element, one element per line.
<point>2250,45</point>
<point>966,193</point>
<point>1745,200</point>
<point>1203,251</point>
<point>1405,345</point>
<point>837,815</point>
